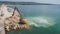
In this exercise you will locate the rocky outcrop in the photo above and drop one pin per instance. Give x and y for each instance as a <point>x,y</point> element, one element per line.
<point>12,18</point>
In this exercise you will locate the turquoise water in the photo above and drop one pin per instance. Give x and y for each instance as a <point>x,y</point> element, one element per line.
<point>44,19</point>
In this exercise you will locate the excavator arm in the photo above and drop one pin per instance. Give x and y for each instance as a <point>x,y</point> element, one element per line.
<point>20,14</point>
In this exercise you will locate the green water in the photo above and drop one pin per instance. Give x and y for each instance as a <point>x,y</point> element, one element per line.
<point>44,19</point>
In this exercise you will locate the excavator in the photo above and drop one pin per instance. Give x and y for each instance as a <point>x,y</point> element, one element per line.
<point>11,20</point>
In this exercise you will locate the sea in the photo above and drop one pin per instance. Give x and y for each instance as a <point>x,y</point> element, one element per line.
<point>43,19</point>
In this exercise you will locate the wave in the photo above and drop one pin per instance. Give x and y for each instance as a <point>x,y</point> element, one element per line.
<point>41,21</point>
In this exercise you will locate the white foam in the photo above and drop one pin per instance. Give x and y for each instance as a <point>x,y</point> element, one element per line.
<point>41,21</point>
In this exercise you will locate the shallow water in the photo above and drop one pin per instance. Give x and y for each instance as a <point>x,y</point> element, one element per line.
<point>45,19</point>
